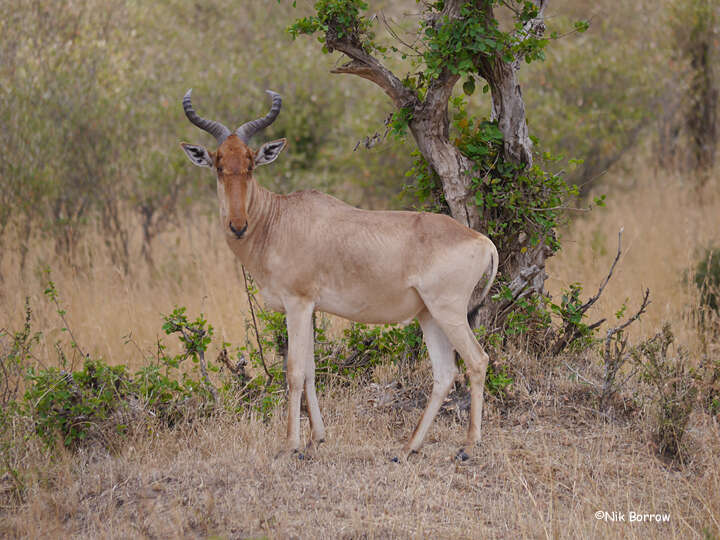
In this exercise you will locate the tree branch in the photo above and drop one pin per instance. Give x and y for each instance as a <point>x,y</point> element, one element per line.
<point>368,67</point>
<point>594,299</point>
<point>440,89</point>
<point>536,27</point>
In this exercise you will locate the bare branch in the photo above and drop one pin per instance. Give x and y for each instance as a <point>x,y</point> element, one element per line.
<point>594,299</point>
<point>612,331</point>
<point>368,67</point>
<point>614,360</point>
<point>257,331</point>
<point>579,375</point>
<point>397,37</point>
<point>571,331</point>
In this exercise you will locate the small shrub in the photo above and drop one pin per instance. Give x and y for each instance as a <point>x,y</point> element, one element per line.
<point>97,400</point>
<point>707,280</point>
<point>497,380</point>
<point>675,385</point>
<point>15,352</point>
<point>75,405</point>
<point>363,347</point>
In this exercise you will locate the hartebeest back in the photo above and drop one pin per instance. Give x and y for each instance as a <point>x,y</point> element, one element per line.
<point>309,251</point>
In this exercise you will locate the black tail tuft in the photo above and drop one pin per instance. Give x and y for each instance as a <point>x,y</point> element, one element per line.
<point>490,275</point>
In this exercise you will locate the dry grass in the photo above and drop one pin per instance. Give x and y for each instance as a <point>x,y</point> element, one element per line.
<point>547,463</point>
<point>667,224</point>
<point>194,268</point>
<point>543,470</point>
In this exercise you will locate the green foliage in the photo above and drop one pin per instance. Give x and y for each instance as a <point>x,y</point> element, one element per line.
<point>97,400</point>
<point>424,190</point>
<point>338,19</point>
<point>675,387</point>
<point>72,404</point>
<point>400,120</point>
<point>363,347</point>
<point>510,197</point>
<point>529,316</point>
<point>707,279</point>
<point>497,380</point>
<point>460,45</point>
<point>572,313</point>
<point>195,336</point>
<point>94,401</point>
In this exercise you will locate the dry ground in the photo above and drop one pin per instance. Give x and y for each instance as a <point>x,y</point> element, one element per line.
<point>543,470</point>
<point>547,463</point>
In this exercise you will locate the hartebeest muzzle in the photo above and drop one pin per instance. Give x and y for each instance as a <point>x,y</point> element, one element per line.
<point>238,232</point>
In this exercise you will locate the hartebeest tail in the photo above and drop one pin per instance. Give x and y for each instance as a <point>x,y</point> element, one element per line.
<point>309,251</point>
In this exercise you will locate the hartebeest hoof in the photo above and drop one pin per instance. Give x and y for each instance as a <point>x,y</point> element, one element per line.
<point>289,452</point>
<point>312,448</point>
<point>404,457</point>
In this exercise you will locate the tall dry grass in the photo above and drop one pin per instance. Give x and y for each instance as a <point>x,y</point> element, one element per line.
<point>668,223</point>
<point>111,313</point>
<point>667,220</point>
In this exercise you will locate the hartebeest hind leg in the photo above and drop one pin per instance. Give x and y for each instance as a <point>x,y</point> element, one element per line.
<point>442,359</point>
<point>455,326</point>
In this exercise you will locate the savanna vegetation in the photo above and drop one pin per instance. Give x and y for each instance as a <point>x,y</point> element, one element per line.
<point>141,378</point>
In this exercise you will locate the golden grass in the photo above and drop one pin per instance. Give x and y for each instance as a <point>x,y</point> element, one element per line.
<point>668,223</point>
<point>547,462</point>
<point>194,269</point>
<point>543,470</point>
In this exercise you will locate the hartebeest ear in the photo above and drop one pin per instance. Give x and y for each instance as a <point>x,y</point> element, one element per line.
<point>198,155</point>
<point>269,151</point>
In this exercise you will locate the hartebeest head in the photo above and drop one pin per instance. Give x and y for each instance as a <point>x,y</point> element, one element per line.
<point>233,161</point>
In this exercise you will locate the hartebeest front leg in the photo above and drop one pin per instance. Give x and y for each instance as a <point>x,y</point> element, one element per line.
<point>316,422</point>
<point>300,355</point>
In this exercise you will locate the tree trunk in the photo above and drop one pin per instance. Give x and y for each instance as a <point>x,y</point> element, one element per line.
<point>522,266</point>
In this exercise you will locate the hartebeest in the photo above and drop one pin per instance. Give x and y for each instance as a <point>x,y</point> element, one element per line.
<point>309,251</point>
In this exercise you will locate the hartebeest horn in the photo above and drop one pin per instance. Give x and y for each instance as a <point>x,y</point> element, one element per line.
<point>249,129</point>
<point>216,129</point>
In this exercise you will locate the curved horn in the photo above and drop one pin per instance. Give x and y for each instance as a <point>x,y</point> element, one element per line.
<point>216,129</point>
<point>249,129</point>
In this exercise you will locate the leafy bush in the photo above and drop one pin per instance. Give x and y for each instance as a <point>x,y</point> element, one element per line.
<point>497,380</point>
<point>76,404</point>
<point>675,386</point>
<point>363,347</point>
<point>99,399</point>
<point>707,280</point>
